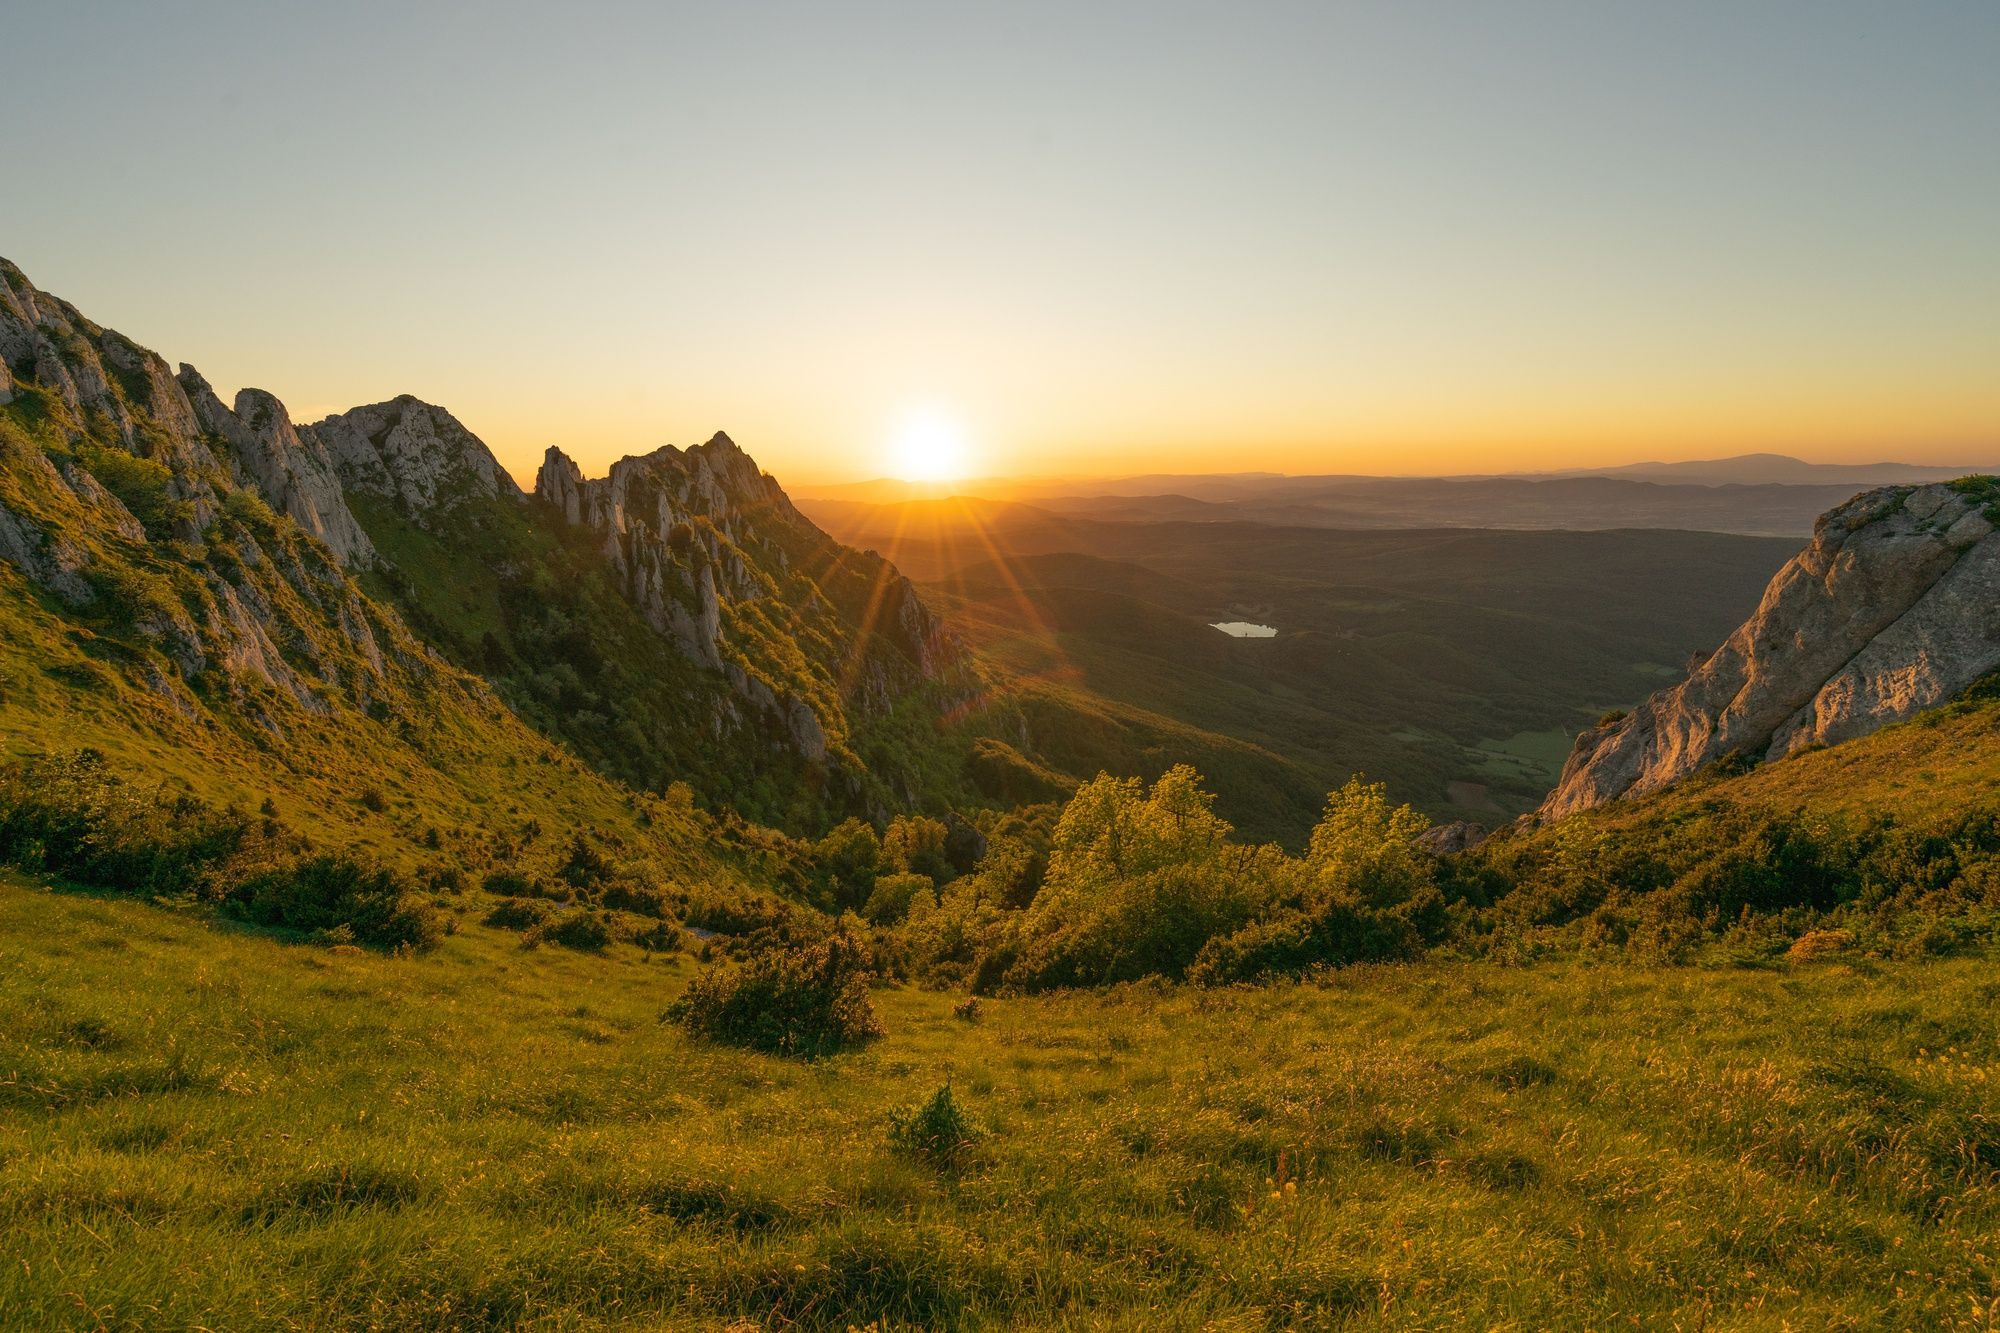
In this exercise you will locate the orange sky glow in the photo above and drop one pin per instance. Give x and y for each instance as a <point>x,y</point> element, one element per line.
<point>1095,240</point>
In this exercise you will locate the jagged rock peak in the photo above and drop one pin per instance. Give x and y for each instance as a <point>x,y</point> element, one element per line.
<point>560,481</point>
<point>716,480</point>
<point>107,387</point>
<point>413,453</point>
<point>1893,607</point>
<point>695,532</point>
<point>295,475</point>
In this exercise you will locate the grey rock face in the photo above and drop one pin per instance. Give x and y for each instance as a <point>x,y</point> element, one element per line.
<point>294,475</point>
<point>1451,839</point>
<point>1893,608</point>
<point>103,379</point>
<point>286,617</point>
<point>411,452</point>
<point>695,533</point>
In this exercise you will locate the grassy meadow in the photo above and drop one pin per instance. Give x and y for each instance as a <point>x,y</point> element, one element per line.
<point>206,1127</point>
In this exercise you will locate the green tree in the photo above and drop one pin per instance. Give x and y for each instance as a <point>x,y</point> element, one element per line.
<point>845,860</point>
<point>1365,850</point>
<point>1139,881</point>
<point>914,844</point>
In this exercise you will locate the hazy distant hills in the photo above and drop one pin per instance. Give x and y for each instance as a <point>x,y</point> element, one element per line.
<point>1776,469</point>
<point>1755,494</point>
<point>1570,503</point>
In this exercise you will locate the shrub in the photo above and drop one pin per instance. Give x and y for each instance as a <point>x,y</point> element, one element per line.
<point>445,879</point>
<point>518,914</point>
<point>328,891</point>
<point>809,1001</point>
<point>587,932</point>
<point>937,1131</point>
<point>68,814</point>
<point>1333,933</point>
<point>512,884</point>
<point>659,937</point>
<point>1816,944</point>
<point>629,896</point>
<point>585,867</point>
<point>1138,881</point>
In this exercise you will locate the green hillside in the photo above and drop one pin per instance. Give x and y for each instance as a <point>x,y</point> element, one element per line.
<point>138,644</point>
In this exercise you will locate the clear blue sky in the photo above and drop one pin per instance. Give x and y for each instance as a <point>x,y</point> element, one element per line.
<point>1337,237</point>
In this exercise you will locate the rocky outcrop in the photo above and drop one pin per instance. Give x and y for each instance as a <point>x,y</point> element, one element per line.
<point>111,391</point>
<point>701,536</point>
<point>1451,839</point>
<point>248,607</point>
<point>294,475</point>
<point>797,638</point>
<point>412,453</point>
<point>1894,607</point>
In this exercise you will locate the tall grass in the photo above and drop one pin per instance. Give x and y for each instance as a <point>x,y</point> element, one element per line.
<point>206,1128</point>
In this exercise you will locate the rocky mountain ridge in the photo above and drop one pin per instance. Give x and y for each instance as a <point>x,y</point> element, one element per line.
<point>714,555</point>
<point>1894,607</point>
<point>791,643</point>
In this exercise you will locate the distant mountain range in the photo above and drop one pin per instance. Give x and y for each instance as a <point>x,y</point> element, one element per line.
<point>1774,469</point>
<point>1754,494</point>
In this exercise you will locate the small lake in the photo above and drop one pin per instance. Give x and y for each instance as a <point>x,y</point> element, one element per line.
<point>1243,629</point>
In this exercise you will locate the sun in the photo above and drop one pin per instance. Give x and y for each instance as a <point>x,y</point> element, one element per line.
<point>930,445</point>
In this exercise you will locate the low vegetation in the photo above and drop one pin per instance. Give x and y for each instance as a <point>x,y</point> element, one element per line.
<point>202,1127</point>
<point>809,1000</point>
<point>66,814</point>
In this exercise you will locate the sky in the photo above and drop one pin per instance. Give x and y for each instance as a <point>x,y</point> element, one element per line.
<point>1054,239</point>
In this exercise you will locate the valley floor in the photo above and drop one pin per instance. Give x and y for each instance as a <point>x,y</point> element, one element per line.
<point>203,1127</point>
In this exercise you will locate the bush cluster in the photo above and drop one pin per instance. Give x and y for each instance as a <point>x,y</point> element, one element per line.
<point>327,893</point>
<point>1666,883</point>
<point>585,931</point>
<point>809,1000</point>
<point>67,814</point>
<point>1136,881</point>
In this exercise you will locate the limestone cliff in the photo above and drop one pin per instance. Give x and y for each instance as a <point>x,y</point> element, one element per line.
<point>1892,608</point>
<point>714,555</point>
<point>130,494</point>
<point>411,453</point>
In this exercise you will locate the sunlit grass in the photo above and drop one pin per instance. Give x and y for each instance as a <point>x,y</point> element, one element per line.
<point>203,1127</point>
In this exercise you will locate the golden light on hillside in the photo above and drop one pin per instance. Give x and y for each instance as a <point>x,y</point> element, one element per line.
<point>930,445</point>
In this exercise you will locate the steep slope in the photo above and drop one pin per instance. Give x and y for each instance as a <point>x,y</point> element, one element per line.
<point>156,607</point>
<point>676,621</point>
<point>715,557</point>
<point>1894,607</point>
